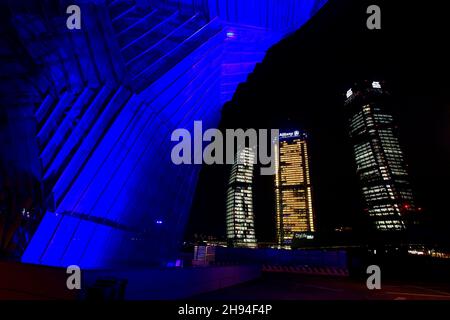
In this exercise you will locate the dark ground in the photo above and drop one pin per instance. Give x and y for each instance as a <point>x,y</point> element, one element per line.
<point>286,286</point>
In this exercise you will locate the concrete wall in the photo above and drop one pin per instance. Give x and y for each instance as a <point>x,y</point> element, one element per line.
<point>175,283</point>
<point>33,282</point>
<point>36,282</point>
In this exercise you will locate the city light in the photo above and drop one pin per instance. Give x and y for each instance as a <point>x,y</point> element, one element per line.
<point>231,34</point>
<point>349,93</point>
<point>376,85</point>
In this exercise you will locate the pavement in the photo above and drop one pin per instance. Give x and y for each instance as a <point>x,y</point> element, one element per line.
<point>288,286</point>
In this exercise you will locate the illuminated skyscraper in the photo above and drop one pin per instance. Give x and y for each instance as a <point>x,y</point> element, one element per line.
<point>240,222</point>
<point>293,187</point>
<point>379,159</point>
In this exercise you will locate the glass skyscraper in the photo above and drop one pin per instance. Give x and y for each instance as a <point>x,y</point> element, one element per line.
<point>380,162</point>
<point>239,206</point>
<point>294,210</point>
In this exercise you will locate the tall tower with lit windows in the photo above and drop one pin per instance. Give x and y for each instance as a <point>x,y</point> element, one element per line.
<point>239,206</point>
<point>293,195</point>
<point>380,162</point>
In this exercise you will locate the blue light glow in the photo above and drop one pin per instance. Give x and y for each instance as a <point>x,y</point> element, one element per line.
<point>108,98</point>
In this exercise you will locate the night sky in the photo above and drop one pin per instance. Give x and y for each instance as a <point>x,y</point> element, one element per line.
<point>302,81</point>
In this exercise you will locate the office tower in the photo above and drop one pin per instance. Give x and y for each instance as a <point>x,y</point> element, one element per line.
<point>240,223</point>
<point>379,159</point>
<point>293,187</point>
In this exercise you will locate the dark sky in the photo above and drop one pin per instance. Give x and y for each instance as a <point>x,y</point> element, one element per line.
<point>303,79</point>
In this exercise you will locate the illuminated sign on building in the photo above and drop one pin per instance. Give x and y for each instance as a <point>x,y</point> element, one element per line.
<point>291,134</point>
<point>304,235</point>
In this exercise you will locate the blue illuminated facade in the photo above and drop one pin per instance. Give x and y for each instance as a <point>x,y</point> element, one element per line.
<point>92,112</point>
